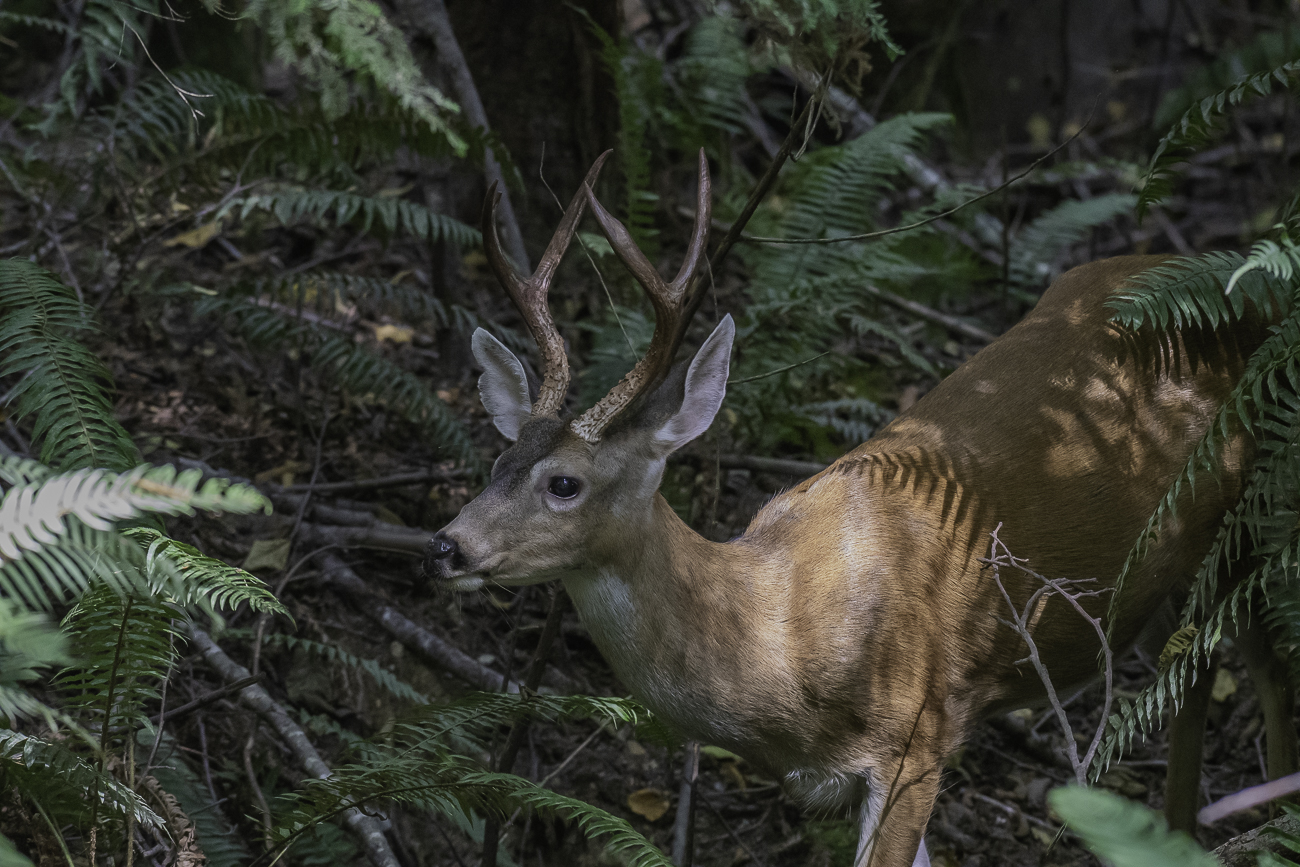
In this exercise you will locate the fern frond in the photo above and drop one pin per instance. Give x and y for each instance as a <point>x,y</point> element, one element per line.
<point>353,367</point>
<point>382,677</point>
<point>1198,125</point>
<point>57,531</point>
<point>710,74</point>
<point>37,21</point>
<point>202,580</point>
<point>1278,356</point>
<point>125,647</point>
<point>327,293</point>
<point>394,215</point>
<point>331,41</point>
<point>36,513</point>
<point>1280,260</point>
<point>66,388</point>
<point>1267,50</point>
<point>1038,244</point>
<point>480,714</point>
<point>638,82</point>
<point>67,784</point>
<point>1192,293</point>
<point>223,846</point>
<point>451,785</point>
<point>856,419</point>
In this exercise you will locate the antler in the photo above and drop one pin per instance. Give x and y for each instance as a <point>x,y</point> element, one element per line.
<point>669,303</point>
<point>530,295</point>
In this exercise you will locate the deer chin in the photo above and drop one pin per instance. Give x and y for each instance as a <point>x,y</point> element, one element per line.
<point>466,583</point>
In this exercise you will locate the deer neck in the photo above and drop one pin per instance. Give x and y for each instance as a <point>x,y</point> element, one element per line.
<point>692,627</point>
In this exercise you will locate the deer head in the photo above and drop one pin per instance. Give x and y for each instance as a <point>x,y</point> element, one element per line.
<point>568,493</point>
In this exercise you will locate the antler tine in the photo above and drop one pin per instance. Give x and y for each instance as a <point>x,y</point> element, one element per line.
<point>668,300</point>
<point>529,295</point>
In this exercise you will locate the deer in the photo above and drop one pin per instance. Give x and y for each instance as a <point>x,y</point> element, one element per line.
<point>850,639</point>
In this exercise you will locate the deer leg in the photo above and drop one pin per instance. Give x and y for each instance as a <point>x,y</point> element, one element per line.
<point>1276,696</point>
<point>1186,740</point>
<point>895,814</point>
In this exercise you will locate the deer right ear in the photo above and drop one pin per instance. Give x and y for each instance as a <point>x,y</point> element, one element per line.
<point>503,387</point>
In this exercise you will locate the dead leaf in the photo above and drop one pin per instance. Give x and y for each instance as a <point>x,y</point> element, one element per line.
<point>271,554</point>
<point>195,238</point>
<point>1224,685</point>
<point>731,771</point>
<point>393,333</point>
<point>649,803</point>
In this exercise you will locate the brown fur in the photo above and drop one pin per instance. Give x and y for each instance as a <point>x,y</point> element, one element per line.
<point>851,635</point>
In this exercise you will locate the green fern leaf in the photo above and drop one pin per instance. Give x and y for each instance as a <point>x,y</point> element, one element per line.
<point>65,388</point>
<point>1125,833</point>
<point>1198,125</point>
<point>65,783</point>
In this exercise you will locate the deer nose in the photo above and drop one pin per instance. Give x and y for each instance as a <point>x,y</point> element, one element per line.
<point>441,547</point>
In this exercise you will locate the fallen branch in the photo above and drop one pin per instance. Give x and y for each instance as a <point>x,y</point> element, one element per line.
<point>396,480</point>
<point>203,700</point>
<point>366,829</point>
<point>1247,798</point>
<point>952,323</point>
<point>387,537</point>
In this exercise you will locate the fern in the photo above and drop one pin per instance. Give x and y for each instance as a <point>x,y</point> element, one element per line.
<point>381,676</point>
<point>222,845</point>
<point>330,41</point>
<point>66,388</point>
<point>394,215</point>
<point>1038,244</point>
<point>1285,838</point>
<point>329,294</point>
<point>821,35</point>
<point>352,367</point>
<point>57,531</point>
<point>710,75</point>
<point>125,647</point>
<point>1198,125</point>
<point>201,580</point>
<point>62,781</point>
<point>638,81</point>
<point>1278,259</point>
<point>1262,526</point>
<point>1124,833</point>
<point>1192,293</point>
<point>1268,50</point>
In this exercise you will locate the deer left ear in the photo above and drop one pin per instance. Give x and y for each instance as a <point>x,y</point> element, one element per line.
<point>706,385</point>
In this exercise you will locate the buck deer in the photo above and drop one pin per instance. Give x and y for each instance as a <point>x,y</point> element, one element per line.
<point>849,640</point>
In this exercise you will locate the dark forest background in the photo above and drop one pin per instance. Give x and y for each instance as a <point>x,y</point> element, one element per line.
<point>240,264</point>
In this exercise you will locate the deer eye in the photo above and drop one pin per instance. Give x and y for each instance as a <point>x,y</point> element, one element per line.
<point>564,487</point>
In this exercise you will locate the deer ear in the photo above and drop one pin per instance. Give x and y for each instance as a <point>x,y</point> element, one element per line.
<point>706,385</point>
<point>503,387</point>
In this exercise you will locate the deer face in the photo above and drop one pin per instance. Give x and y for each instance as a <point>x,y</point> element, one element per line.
<point>566,496</point>
<point>558,504</point>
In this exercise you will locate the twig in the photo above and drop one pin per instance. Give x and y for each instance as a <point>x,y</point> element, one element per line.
<point>365,828</point>
<point>695,292</point>
<point>430,18</point>
<point>999,556</point>
<point>735,835</point>
<point>684,824</point>
<point>952,323</point>
<point>205,700</point>
<point>1247,798</point>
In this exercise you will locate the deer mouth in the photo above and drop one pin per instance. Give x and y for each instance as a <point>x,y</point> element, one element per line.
<point>466,583</point>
